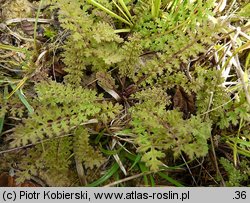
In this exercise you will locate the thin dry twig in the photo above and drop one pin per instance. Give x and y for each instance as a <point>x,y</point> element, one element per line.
<point>127,179</point>
<point>19,20</point>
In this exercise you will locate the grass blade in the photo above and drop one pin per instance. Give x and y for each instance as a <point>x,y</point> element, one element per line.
<point>156,4</point>
<point>3,116</point>
<point>144,169</point>
<point>20,84</point>
<point>119,8</point>
<point>110,152</point>
<point>23,99</point>
<point>169,179</point>
<point>12,48</point>
<point>125,9</point>
<point>136,161</point>
<point>1,123</point>
<point>106,176</point>
<point>94,3</point>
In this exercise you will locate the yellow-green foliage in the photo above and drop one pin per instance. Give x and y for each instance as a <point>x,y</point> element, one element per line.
<point>61,109</point>
<point>153,57</point>
<point>50,161</point>
<point>91,43</point>
<point>158,129</point>
<point>235,176</point>
<point>84,152</point>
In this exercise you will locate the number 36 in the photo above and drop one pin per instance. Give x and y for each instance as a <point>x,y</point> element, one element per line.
<point>240,195</point>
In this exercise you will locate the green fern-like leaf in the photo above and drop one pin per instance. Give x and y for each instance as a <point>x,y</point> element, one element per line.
<point>109,111</point>
<point>61,110</point>
<point>84,152</point>
<point>159,130</point>
<point>50,161</point>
